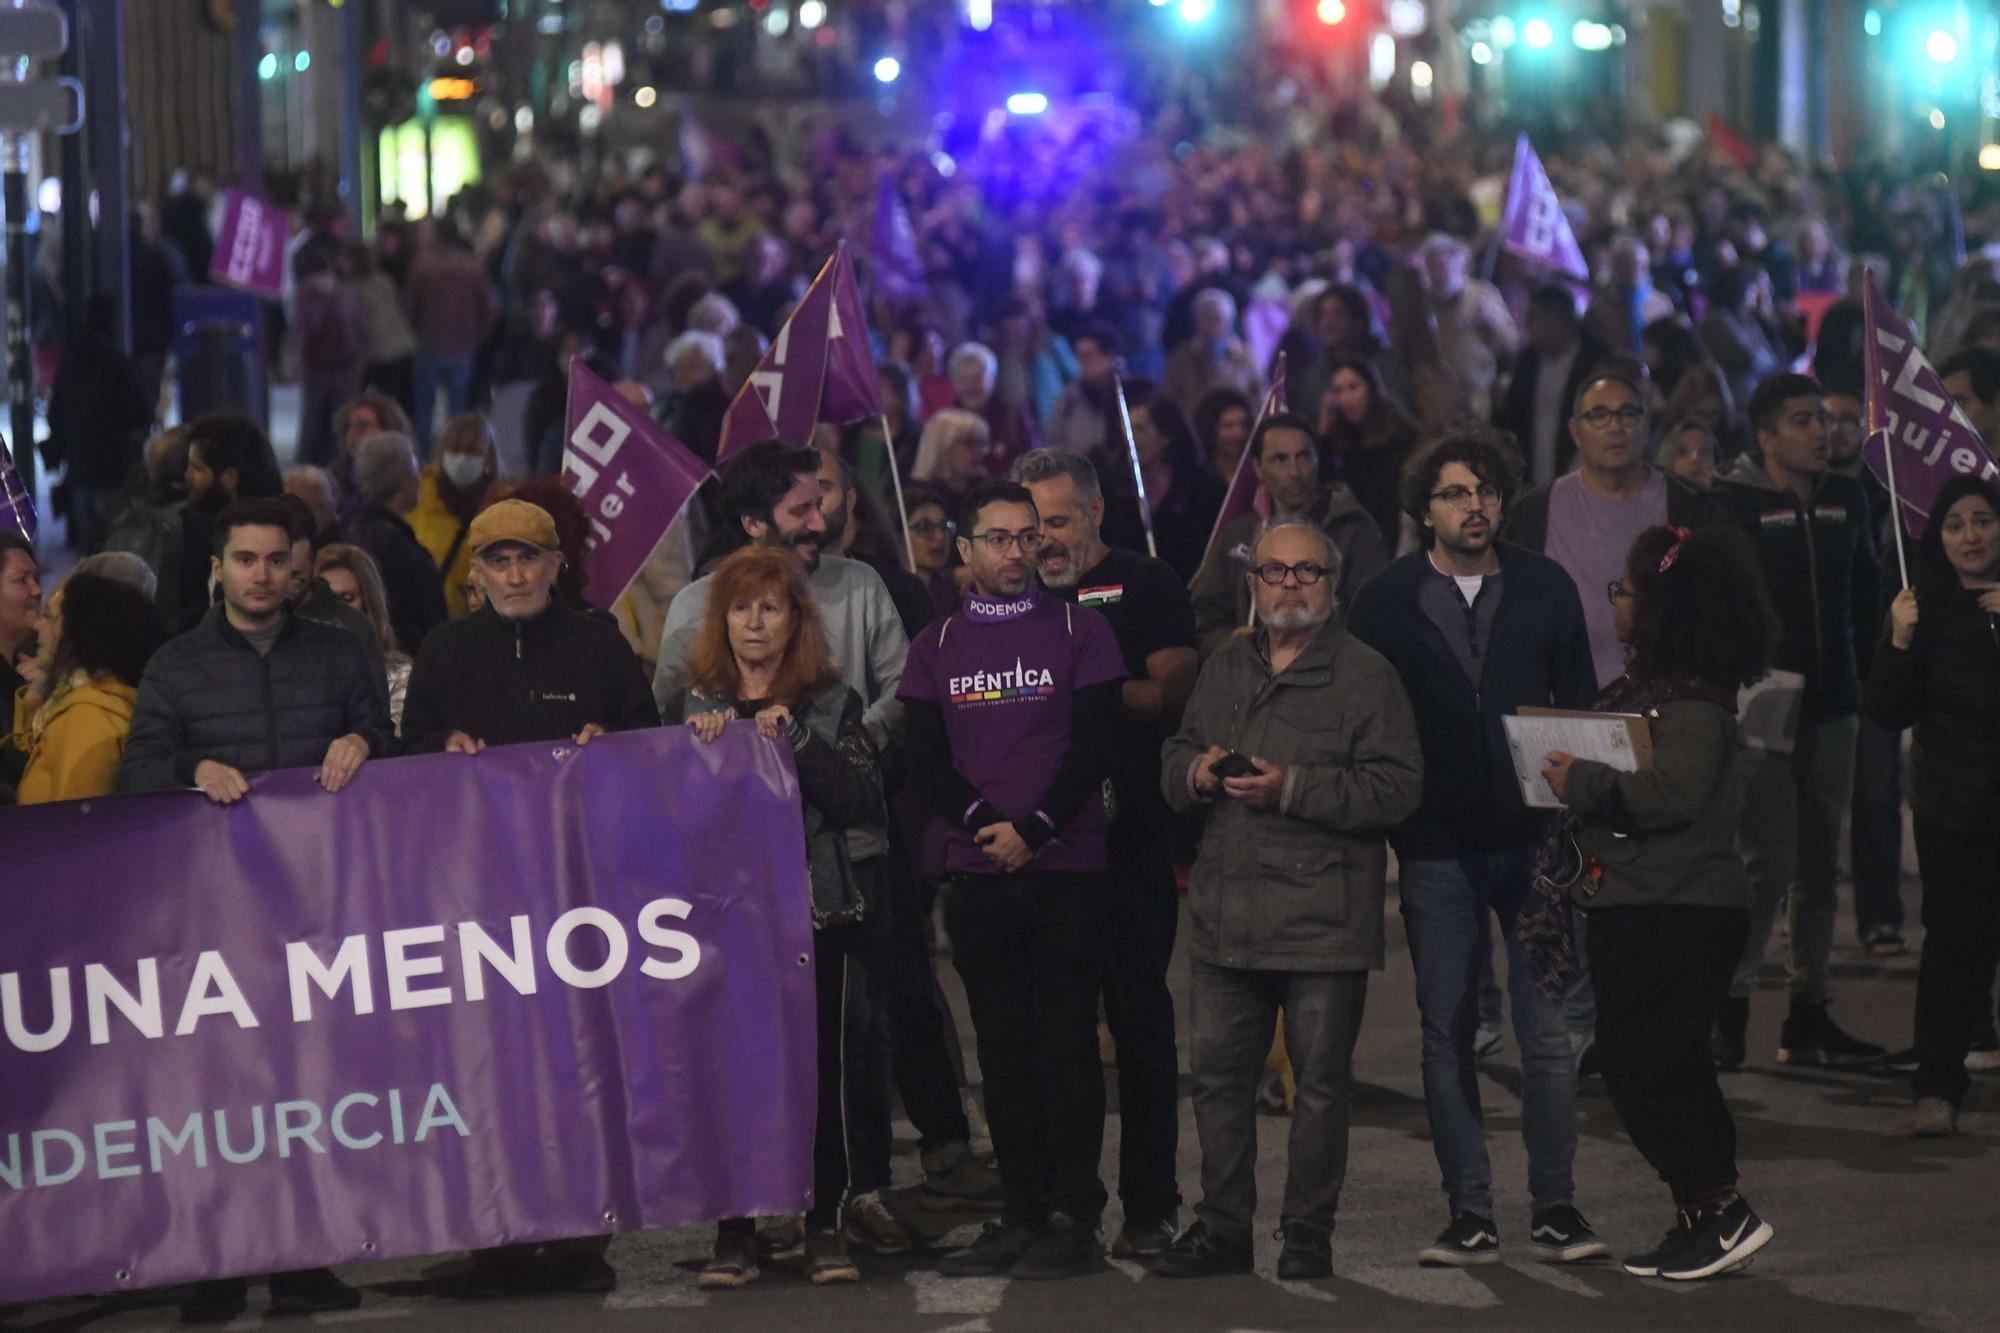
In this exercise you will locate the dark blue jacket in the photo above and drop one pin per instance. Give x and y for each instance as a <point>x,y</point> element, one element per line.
<point>1539,655</point>
<point>208,695</point>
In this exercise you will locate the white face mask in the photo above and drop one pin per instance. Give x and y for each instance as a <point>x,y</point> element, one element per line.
<point>463,470</point>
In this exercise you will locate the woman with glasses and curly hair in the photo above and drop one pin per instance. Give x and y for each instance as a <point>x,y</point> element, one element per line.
<point>1651,857</point>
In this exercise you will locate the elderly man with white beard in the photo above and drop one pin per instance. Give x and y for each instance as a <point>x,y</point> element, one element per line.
<point>1300,741</point>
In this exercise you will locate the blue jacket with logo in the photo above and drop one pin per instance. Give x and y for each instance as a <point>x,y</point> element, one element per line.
<point>1818,558</point>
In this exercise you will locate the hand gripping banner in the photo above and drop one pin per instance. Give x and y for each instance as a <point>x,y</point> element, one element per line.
<point>538,992</point>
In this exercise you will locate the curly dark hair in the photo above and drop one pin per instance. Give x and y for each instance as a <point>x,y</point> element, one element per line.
<point>108,628</point>
<point>1484,450</point>
<point>1707,618</point>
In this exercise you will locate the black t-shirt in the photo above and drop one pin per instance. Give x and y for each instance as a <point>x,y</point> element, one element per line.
<point>1149,610</point>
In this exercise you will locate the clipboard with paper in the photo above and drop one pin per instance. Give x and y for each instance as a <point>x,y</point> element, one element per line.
<point>1620,740</point>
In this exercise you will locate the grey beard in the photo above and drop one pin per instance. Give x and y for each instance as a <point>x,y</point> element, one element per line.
<point>1291,621</point>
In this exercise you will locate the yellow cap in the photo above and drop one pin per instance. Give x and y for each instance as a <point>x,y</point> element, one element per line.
<point>513,521</point>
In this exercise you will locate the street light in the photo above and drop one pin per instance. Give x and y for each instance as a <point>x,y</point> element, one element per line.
<point>1027,104</point>
<point>1537,33</point>
<point>888,69</point>
<point>1941,47</point>
<point>1332,12</point>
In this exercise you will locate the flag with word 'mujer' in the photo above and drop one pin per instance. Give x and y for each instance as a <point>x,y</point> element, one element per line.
<point>632,477</point>
<point>1533,225</point>
<point>819,368</point>
<point>1913,424</point>
<point>17,507</point>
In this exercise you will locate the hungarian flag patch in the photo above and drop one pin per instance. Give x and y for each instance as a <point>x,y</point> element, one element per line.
<point>1104,596</point>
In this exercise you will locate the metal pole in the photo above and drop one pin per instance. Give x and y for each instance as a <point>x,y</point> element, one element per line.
<point>103,39</point>
<point>350,115</point>
<point>249,99</point>
<point>76,255</point>
<point>1138,473</point>
<point>20,367</point>
<point>896,479</point>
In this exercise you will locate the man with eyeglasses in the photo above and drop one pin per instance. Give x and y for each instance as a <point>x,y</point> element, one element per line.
<point>1300,745</point>
<point>1478,628</point>
<point>1285,454</point>
<point>1586,520</point>
<point>1815,542</point>
<point>1011,713</point>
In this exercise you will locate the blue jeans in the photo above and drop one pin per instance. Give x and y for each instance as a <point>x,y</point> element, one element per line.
<point>1443,902</point>
<point>454,373</point>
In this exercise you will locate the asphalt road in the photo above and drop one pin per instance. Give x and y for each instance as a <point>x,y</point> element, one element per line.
<point>1874,1230</point>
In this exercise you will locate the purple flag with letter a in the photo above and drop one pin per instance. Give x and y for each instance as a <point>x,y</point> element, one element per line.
<point>17,507</point>
<point>1533,225</point>
<point>632,477</point>
<point>1913,424</point>
<point>250,250</point>
<point>540,992</point>
<point>819,368</point>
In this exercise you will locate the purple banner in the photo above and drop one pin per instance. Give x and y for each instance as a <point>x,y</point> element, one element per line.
<point>1909,408</point>
<point>540,992</point>
<point>250,251</point>
<point>1533,225</point>
<point>632,477</point>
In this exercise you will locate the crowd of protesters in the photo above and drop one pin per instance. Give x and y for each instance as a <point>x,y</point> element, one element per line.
<point>1486,491</point>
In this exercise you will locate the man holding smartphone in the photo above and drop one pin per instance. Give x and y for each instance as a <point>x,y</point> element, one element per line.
<point>1300,743</point>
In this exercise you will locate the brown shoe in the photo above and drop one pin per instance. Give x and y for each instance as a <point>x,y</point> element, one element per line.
<point>1933,1118</point>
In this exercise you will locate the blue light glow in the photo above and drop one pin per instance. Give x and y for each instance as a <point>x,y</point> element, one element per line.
<point>1027,104</point>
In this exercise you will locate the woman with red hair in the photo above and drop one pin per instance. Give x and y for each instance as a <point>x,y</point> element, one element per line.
<point>762,657</point>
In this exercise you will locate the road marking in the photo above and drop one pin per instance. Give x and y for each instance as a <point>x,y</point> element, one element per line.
<point>938,1294</point>
<point>1428,1286</point>
<point>1304,1291</point>
<point>1550,1276</point>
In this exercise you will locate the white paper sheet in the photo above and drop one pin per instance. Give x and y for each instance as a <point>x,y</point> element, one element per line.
<point>1605,737</point>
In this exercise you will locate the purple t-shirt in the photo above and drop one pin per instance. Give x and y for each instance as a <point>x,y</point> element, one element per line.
<point>1590,537</point>
<point>1004,675</point>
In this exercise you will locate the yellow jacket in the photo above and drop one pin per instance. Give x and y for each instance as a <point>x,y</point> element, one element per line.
<point>438,528</point>
<point>81,741</point>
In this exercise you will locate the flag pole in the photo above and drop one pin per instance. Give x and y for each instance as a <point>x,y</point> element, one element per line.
<point>1895,505</point>
<point>1138,473</point>
<point>896,480</point>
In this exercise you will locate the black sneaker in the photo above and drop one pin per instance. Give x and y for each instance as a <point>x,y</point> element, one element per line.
<point>1811,1037</point>
<point>1905,1061</point>
<point>1142,1238</point>
<point>216,1301</point>
<point>1561,1236</point>
<point>1201,1253</point>
<point>999,1247</point>
<point>311,1291</point>
<point>1066,1248</point>
<point>734,1262</point>
<point>1666,1252</point>
<point>1470,1239</point>
<point>1883,941</point>
<point>1307,1255</point>
<point>1730,1040</point>
<point>1723,1236</point>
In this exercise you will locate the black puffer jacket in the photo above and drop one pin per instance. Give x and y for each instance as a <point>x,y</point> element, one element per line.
<point>509,681</point>
<point>209,695</point>
<point>1947,686</point>
<point>409,575</point>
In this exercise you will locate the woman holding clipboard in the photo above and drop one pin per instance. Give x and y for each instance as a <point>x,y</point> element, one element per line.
<point>1651,857</point>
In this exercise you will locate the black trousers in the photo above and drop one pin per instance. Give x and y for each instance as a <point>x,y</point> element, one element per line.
<point>851,1131</point>
<point>923,1036</point>
<point>1030,949</point>
<point>1961,873</point>
<point>1143,914</point>
<point>1661,974</point>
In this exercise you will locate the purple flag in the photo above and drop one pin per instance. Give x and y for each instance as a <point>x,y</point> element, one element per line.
<point>632,477</point>
<point>17,507</point>
<point>543,992</point>
<point>899,269</point>
<point>819,368</point>
<point>1533,225</point>
<point>250,252</point>
<point>1246,494</point>
<point>1909,409</point>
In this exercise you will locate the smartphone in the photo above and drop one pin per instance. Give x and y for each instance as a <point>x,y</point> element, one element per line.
<point>1234,765</point>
